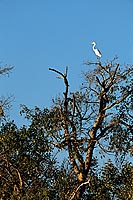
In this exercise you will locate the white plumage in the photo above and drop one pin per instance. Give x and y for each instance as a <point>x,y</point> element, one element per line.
<point>96,51</point>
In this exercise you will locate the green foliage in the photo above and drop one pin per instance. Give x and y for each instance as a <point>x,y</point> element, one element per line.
<point>26,161</point>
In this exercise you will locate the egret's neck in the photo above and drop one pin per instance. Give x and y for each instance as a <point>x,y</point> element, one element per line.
<point>94,46</point>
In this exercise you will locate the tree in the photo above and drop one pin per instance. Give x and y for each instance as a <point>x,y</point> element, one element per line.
<point>98,116</point>
<point>88,124</point>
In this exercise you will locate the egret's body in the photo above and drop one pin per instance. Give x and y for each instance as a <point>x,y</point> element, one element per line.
<point>96,51</point>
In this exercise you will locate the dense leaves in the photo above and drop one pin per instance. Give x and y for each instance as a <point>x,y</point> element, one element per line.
<point>26,161</point>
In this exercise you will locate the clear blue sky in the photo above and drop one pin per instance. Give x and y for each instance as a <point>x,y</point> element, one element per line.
<point>38,34</point>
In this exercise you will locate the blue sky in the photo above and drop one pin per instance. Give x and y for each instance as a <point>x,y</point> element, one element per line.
<point>38,34</point>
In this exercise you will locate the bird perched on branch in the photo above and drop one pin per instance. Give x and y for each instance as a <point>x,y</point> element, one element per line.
<point>96,51</point>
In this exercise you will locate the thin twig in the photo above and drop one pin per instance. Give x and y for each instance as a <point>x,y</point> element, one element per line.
<point>5,70</point>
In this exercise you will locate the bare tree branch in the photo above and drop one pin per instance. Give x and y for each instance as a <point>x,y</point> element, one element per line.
<point>74,193</point>
<point>6,70</point>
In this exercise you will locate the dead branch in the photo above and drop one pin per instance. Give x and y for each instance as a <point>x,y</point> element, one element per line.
<point>74,193</point>
<point>54,70</point>
<point>65,120</point>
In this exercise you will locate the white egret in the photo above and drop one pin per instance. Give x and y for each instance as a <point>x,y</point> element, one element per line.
<point>96,51</point>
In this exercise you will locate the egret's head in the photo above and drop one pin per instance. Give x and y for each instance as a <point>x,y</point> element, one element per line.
<point>93,42</point>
